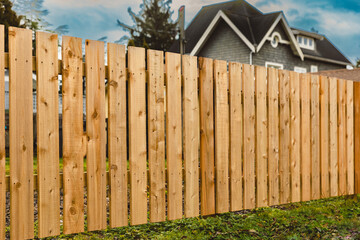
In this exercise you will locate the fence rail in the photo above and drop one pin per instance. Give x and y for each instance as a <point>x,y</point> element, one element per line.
<point>201,136</point>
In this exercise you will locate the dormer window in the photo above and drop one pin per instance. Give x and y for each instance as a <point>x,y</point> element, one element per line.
<point>306,42</point>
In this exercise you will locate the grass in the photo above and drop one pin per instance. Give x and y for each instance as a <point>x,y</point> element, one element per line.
<point>334,218</point>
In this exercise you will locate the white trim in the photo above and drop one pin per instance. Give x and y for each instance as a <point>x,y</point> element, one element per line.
<point>327,60</point>
<point>276,34</point>
<point>269,64</point>
<point>314,67</point>
<point>211,28</point>
<point>290,33</point>
<point>307,45</point>
<point>300,70</point>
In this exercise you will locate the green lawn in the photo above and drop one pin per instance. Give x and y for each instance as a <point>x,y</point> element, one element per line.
<point>334,218</point>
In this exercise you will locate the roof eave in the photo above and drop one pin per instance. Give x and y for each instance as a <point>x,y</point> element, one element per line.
<point>205,36</point>
<point>327,60</point>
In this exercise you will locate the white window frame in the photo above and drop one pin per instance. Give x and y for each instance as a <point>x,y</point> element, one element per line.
<point>307,45</point>
<point>300,70</point>
<point>275,65</point>
<point>314,68</point>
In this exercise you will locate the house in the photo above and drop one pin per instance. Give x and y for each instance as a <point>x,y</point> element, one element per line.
<point>237,31</point>
<point>346,74</point>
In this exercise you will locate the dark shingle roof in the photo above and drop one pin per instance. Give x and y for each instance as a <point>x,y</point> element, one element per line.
<point>252,23</point>
<point>207,13</point>
<point>325,49</point>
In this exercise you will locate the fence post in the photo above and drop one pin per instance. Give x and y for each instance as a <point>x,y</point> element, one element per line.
<point>357,135</point>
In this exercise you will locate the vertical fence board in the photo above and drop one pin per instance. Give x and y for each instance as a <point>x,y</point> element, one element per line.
<point>350,136</point>
<point>333,134</point>
<point>249,136</point>
<point>342,136</point>
<point>235,85</point>
<point>357,136</point>
<point>21,135</point>
<point>73,142</point>
<point>2,137</point>
<point>48,134</point>
<point>156,135</point>
<point>221,136</point>
<point>305,138</point>
<point>261,137</point>
<point>315,138</point>
<point>295,137</point>
<point>324,136</point>
<point>191,135</point>
<point>207,193</point>
<point>273,144</point>
<point>137,135</point>
<point>284,151</point>
<point>96,135</point>
<point>173,134</point>
<point>117,144</point>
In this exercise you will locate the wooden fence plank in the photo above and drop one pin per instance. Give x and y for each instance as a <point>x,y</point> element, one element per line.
<point>333,134</point>
<point>21,135</point>
<point>315,138</point>
<point>191,135</point>
<point>305,138</point>
<point>350,136</point>
<point>173,134</point>
<point>295,137</point>
<point>324,131</point>
<point>96,135</point>
<point>48,134</point>
<point>284,151</point>
<point>117,142</point>
<point>273,128</point>
<point>261,137</point>
<point>249,136</point>
<point>137,135</point>
<point>156,135</point>
<point>342,136</point>
<point>235,88</point>
<point>357,136</point>
<point>221,136</point>
<point>207,162</point>
<point>73,142</point>
<point>2,137</point>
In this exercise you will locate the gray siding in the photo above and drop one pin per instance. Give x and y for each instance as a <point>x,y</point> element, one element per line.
<point>224,44</point>
<point>283,54</point>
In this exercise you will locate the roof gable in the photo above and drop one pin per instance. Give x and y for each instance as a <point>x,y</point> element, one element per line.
<point>220,16</point>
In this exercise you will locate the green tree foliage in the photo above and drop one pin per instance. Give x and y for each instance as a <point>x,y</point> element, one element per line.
<point>8,17</point>
<point>33,15</point>
<point>153,27</point>
<point>357,64</point>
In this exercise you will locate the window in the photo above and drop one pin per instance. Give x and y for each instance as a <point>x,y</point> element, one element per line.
<point>300,69</point>
<point>306,42</point>
<point>274,65</point>
<point>300,40</point>
<point>314,68</point>
<point>275,41</point>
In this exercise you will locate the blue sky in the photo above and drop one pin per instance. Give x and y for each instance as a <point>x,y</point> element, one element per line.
<point>339,20</point>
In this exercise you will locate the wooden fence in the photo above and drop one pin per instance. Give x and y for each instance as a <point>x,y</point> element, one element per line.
<point>224,137</point>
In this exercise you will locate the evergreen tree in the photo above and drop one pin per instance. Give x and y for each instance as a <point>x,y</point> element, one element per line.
<point>357,64</point>
<point>33,15</point>
<point>8,17</point>
<point>153,27</point>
